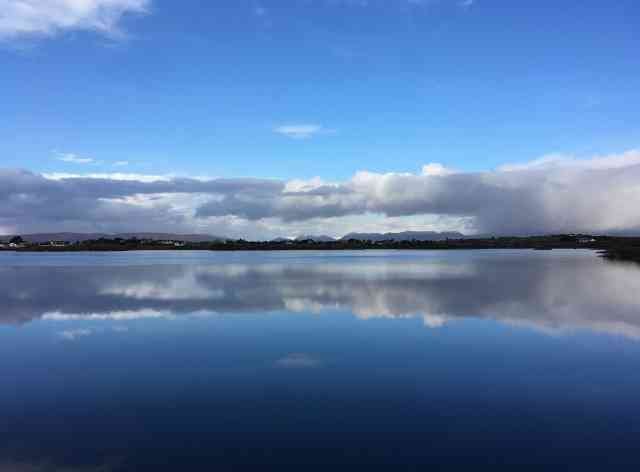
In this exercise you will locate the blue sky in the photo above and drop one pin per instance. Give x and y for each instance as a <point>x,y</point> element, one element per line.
<point>199,88</point>
<point>303,88</point>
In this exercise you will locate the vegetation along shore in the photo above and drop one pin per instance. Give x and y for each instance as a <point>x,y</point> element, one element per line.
<point>610,247</point>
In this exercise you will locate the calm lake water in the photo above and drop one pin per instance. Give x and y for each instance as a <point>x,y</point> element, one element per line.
<point>467,360</point>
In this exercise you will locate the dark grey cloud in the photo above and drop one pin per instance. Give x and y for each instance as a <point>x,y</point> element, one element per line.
<point>30,201</point>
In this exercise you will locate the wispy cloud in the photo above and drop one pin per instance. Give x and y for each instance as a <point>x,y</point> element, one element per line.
<point>110,316</point>
<point>121,163</point>
<point>116,176</point>
<point>48,18</point>
<point>73,334</point>
<point>379,3</point>
<point>298,361</point>
<point>467,3</point>
<point>73,158</point>
<point>301,131</point>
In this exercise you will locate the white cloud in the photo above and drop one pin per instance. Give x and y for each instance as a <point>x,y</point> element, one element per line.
<point>186,288</point>
<point>20,18</point>
<point>567,161</point>
<point>299,185</point>
<point>74,158</point>
<point>73,334</point>
<point>124,315</point>
<point>300,131</point>
<point>434,168</point>
<point>117,176</point>
<point>121,163</point>
<point>435,321</point>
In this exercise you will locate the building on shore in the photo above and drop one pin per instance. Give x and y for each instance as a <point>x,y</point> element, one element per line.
<point>171,242</point>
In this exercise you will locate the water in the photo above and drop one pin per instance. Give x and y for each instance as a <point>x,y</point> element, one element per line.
<point>467,360</point>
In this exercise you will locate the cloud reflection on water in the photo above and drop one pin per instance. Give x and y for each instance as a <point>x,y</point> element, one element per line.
<point>553,292</point>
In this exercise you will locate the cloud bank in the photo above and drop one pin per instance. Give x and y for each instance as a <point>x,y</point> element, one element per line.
<point>20,18</point>
<point>550,195</point>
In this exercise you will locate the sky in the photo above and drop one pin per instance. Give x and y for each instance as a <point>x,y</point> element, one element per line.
<point>270,118</point>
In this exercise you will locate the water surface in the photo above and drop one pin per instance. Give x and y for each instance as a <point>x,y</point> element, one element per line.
<point>288,360</point>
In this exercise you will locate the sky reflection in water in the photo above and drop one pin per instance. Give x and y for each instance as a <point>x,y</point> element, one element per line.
<point>156,361</point>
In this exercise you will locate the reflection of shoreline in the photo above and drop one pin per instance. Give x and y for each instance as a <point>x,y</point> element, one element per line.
<point>630,254</point>
<point>551,292</point>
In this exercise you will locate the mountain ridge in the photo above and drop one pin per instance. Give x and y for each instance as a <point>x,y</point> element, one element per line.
<point>196,237</point>
<point>406,236</point>
<point>321,238</point>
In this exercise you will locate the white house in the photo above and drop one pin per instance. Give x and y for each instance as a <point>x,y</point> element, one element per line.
<point>171,242</point>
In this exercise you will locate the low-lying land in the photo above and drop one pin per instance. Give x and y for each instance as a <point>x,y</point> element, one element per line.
<point>611,247</point>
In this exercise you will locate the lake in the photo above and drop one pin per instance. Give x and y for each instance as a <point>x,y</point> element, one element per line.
<point>386,360</point>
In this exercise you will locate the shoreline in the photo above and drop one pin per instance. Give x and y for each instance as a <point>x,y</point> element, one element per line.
<point>608,247</point>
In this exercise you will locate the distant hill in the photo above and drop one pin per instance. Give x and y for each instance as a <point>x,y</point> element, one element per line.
<point>73,237</point>
<point>322,238</point>
<point>405,236</point>
<point>401,236</point>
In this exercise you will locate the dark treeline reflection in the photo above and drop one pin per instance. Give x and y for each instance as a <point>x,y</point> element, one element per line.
<point>548,290</point>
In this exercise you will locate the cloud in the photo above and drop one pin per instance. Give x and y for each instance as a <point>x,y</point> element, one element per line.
<point>74,158</point>
<point>538,289</point>
<point>377,3</point>
<point>435,168</point>
<point>117,176</point>
<point>110,316</point>
<point>596,195</point>
<point>121,163</point>
<point>297,361</point>
<point>73,334</point>
<point>563,161</point>
<point>19,18</point>
<point>435,321</point>
<point>548,195</point>
<point>467,3</point>
<point>300,131</point>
